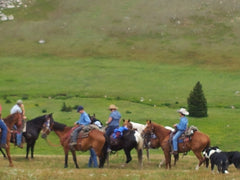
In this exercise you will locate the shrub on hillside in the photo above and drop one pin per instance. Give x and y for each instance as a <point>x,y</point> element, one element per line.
<point>66,108</point>
<point>197,103</point>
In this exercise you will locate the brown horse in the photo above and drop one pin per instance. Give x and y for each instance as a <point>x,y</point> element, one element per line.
<point>197,144</point>
<point>10,121</point>
<point>95,139</point>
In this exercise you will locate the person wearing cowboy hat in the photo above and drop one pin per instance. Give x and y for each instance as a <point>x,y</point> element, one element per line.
<point>19,108</point>
<point>113,119</point>
<point>180,128</point>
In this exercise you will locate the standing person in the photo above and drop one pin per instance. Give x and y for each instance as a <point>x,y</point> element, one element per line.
<point>83,121</point>
<point>3,127</point>
<point>19,107</point>
<point>180,128</point>
<point>113,120</point>
<point>93,156</point>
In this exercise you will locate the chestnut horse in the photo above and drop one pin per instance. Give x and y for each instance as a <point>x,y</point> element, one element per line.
<point>197,144</point>
<point>149,141</point>
<point>95,140</point>
<point>10,121</point>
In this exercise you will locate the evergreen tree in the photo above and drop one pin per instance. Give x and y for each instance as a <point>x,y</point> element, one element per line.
<point>197,103</point>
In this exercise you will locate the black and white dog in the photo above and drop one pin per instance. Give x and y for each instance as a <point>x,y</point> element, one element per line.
<point>217,158</point>
<point>233,158</point>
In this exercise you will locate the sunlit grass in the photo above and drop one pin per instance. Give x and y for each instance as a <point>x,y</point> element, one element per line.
<point>49,167</point>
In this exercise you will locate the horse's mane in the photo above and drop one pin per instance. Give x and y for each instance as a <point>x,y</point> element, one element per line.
<point>37,120</point>
<point>59,126</point>
<point>159,126</point>
<point>9,117</point>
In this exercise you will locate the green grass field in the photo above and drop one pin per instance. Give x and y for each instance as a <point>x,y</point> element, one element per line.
<point>143,56</point>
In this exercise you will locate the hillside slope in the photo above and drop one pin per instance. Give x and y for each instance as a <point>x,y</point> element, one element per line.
<point>202,32</point>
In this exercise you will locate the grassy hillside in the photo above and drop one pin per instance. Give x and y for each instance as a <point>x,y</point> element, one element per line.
<point>203,33</point>
<point>144,56</point>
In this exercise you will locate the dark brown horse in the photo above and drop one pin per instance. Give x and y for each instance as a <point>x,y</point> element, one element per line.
<point>95,140</point>
<point>197,144</point>
<point>10,121</point>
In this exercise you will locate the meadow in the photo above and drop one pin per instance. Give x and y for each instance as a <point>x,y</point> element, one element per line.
<point>143,56</point>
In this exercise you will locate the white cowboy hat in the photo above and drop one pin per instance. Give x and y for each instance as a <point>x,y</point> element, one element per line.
<point>183,111</point>
<point>19,101</point>
<point>112,106</point>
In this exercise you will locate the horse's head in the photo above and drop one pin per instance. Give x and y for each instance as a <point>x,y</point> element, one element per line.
<point>47,125</point>
<point>14,119</point>
<point>127,123</point>
<point>147,133</point>
<point>149,128</point>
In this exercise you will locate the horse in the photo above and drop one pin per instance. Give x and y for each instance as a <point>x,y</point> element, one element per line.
<point>130,139</point>
<point>95,139</point>
<point>149,141</point>
<point>10,121</point>
<point>138,127</point>
<point>33,128</point>
<point>199,141</point>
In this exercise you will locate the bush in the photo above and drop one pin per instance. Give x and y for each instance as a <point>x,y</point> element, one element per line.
<point>66,108</point>
<point>197,103</point>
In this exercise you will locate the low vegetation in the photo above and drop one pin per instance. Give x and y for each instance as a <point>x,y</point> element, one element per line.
<point>143,56</point>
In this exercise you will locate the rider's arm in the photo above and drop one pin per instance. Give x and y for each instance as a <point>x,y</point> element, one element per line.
<point>109,120</point>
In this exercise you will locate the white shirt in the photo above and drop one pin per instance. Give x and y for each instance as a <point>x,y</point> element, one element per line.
<point>98,124</point>
<point>15,109</point>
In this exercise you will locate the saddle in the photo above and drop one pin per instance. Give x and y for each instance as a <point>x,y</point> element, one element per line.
<point>85,131</point>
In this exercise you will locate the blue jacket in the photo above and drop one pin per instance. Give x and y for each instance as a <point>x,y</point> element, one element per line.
<point>182,125</point>
<point>84,119</point>
<point>115,118</point>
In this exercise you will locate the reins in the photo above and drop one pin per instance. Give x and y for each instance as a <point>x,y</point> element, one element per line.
<point>51,144</point>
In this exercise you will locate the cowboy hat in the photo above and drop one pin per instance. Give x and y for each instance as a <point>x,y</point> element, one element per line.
<point>19,101</point>
<point>112,106</point>
<point>183,111</point>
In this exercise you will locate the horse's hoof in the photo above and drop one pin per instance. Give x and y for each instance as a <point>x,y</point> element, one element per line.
<point>10,165</point>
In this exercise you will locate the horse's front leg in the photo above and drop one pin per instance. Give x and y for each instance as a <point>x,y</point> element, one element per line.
<point>167,159</point>
<point>8,154</point>
<point>66,158</point>
<point>74,158</point>
<point>27,150</point>
<point>32,149</point>
<point>128,155</point>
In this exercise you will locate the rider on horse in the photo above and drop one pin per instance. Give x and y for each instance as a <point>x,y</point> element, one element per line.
<point>113,120</point>
<point>180,128</point>
<point>19,107</point>
<point>83,121</point>
<point>3,127</point>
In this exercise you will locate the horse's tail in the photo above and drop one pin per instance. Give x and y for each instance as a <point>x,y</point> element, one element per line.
<point>207,145</point>
<point>206,160</point>
<point>103,153</point>
<point>139,140</point>
<point>140,143</point>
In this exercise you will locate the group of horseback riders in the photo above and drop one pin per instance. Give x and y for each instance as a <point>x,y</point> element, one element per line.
<point>112,123</point>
